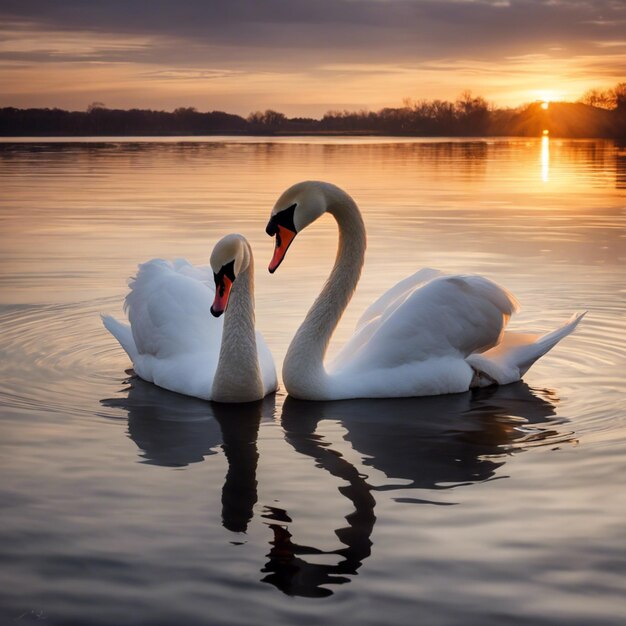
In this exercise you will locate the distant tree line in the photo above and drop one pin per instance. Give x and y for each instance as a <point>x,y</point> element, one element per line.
<point>598,114</point>
<point>614,98</point>
<point>98,120</point>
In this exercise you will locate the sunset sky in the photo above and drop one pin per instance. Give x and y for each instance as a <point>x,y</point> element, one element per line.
<point>303,57</point>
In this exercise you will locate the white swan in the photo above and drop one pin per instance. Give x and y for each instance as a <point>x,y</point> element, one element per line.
<point>175,343</point>
<point>429,334</point>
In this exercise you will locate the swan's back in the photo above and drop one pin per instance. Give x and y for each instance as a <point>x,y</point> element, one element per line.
<point>446,316</point>
<point>168,308</point>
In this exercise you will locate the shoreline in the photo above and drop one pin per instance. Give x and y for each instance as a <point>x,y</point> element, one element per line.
<point>273,136</point>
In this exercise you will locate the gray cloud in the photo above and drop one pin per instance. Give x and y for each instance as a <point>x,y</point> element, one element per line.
<point>189,74</point>
<point>334,52</point>
<point>352,29</point>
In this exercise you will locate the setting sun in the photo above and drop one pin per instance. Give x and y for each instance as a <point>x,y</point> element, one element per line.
<point>546,96</point>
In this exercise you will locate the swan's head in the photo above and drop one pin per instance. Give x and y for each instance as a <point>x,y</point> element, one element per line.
<point>296,208</point>
<point>230,257</point>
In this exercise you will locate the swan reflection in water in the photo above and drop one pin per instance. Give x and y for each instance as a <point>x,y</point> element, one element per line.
<point>173,430</point>
<point>435,442</point>
<point>431,443</point>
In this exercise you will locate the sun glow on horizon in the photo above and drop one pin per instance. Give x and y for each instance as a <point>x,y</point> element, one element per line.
<point>67,64</point>
<point>546,96</point>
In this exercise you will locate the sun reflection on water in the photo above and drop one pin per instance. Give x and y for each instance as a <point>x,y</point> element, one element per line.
<point>545,158</point>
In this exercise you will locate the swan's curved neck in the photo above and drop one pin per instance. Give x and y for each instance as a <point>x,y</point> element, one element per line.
<point>238,376</point>
<point>303,369</point>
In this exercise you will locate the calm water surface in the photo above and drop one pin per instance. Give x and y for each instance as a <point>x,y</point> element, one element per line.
<point>125,504</point>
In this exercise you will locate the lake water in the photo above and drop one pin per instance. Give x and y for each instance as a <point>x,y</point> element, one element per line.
<point>124,504</point>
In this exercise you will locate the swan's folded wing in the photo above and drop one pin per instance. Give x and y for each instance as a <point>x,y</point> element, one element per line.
<point>169,310</point>
<point>393,297</point>
<point>381,308</point>
<point>201,273</point>
<point>445,316</point>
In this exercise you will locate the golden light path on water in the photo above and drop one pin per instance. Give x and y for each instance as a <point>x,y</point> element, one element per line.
<point>545,159</point>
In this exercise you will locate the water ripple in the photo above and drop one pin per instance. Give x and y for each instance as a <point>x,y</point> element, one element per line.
<point>57,357</point>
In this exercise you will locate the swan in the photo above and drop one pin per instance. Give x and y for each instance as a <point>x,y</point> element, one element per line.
<point>430,334</point>
<point>176,344</point>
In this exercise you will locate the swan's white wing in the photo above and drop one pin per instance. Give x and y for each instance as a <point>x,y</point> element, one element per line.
<point>202,273</point>
<point>446,316</point>
<point>168,308</point>
<point>397,294</point>
<point>370,321</point>
<point>173,340</point>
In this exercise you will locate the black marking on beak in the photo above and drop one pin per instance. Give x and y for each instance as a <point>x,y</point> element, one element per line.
<point>283,218</point>
<point>227,270</point>
<point>224,280</point>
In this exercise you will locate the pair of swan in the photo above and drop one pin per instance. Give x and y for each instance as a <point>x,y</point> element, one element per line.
<point>429,334</point>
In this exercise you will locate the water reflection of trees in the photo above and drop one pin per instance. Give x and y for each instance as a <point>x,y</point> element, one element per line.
<point>620,168</point>
<point>427,444</point>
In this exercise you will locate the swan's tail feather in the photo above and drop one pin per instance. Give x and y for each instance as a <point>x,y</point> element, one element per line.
<point>515,354</point>
<point>546,342</point>
<point>122,333</point>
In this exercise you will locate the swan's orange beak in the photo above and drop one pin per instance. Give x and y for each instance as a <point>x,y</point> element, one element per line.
<point>223,285</point>
<point>284,237</point>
